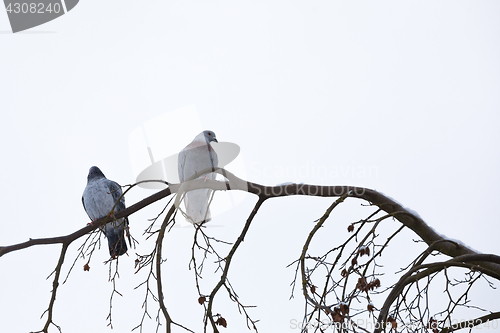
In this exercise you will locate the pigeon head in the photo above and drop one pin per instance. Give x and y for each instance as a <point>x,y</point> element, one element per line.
<point>209,136</point>
<point>95,173</point>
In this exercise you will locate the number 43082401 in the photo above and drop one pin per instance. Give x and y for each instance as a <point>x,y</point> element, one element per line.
<point>33,8</point>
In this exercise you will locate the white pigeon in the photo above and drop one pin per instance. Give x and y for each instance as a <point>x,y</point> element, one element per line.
<point>197,157</point>
<point>99,197</point>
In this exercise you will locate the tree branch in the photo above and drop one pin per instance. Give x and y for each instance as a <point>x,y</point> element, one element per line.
<point>463,256</point>
<point>159,243</point>
<point>55,284</point>
<point>402,214</point>
<point>228,259</point>
<point>466,261</point>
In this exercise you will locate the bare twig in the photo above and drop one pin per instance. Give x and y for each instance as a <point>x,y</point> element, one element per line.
<point>55,285</point>
<point>222,281</point>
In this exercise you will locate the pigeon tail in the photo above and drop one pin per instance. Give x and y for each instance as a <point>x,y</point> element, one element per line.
<point>197,206</point>
<point>116,241</point>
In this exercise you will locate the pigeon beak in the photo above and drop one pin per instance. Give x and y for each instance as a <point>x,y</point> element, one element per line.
<point>215,140</point>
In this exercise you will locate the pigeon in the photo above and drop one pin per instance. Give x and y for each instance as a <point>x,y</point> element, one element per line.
<point>98,199</point>
<point>195,158</point>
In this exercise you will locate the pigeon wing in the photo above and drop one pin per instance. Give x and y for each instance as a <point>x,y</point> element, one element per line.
<point>193,161</point>
<point>99,197</point>
<point>115,231</point>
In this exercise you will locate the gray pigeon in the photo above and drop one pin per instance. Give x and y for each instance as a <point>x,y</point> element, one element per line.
<point>99,197</point>
<point>193,160</point>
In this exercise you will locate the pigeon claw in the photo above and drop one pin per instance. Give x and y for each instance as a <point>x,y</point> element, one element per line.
<point>92,223</point>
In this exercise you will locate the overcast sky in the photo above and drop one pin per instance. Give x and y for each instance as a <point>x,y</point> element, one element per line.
<point>398,96</point>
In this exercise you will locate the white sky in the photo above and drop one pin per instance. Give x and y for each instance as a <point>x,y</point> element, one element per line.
<point>406,91</point>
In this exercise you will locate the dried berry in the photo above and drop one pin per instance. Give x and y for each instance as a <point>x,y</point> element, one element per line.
<point>221,322</point>
<point>344,308</point>
<point>393,322</point>
<point>432,323</point>
<point>336,316</point>
<point>361,285</point>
